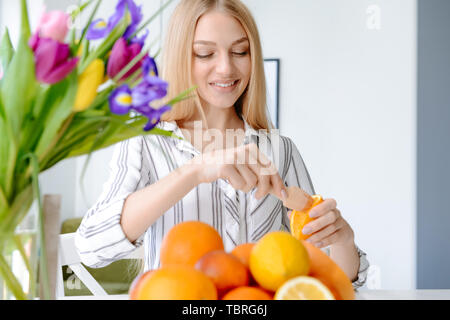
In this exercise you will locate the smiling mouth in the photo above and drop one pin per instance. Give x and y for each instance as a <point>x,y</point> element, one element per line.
<point>225,84</point>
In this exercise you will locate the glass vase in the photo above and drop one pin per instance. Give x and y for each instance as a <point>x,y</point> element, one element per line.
<point>19,252</point>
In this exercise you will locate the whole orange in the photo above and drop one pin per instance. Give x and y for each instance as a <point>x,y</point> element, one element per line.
<point>176,283</point>
<point>224,269</point>
<point>187,242</point>
<point>326,270</point>
<point>243,251</point>
<point>136,285</point>
<point>247,293</point>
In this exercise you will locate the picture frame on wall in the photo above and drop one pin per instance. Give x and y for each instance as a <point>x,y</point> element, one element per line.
<point>272,70</point>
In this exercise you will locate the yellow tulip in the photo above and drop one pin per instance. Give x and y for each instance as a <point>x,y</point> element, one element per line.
<point>88,84</point>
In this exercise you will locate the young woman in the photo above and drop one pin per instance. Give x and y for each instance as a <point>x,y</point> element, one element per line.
<point>157,182</point>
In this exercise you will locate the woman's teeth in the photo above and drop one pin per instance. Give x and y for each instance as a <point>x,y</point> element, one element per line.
<point>225,85</point>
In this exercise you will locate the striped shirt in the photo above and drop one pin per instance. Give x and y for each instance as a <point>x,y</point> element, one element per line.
<point>239,217</point>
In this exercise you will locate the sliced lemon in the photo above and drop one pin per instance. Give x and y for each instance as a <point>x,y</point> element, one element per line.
<point>303,288</point>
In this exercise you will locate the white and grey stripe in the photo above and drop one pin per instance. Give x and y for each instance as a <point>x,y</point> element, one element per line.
<point>237,216</point>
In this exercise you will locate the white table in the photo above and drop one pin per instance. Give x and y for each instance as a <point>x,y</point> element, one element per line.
<point>403,295</point>
<point>360,295</point>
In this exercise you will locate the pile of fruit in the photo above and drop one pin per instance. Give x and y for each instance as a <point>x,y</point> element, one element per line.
<point>195,266</point>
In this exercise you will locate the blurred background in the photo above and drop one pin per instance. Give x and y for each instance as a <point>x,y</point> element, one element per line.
<point>365,96</point>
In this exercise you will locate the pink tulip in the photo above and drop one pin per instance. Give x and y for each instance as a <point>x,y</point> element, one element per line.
<point>54,25</point>
<point>121,54</point>
<point>52,59</point>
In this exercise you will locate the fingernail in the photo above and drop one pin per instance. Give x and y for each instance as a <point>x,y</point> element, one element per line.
<point>306,230</point>
<point>312,214</point>
<point>319,244</point>
<point>283,194</point>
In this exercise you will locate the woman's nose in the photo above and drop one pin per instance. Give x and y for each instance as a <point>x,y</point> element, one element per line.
<point>224,65</point>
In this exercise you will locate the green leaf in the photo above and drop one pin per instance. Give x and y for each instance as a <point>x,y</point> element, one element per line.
<point>43,251</point>
<point>58,114</point>
<point>19,85</point>
<point>102,50</point>
<point>25,21</point>
<point>8,154</point>
<point>6,51</point>
<point>91,18</point>
<point>182,96</point>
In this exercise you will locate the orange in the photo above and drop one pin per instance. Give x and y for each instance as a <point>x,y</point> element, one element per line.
<point>323,268</point>
<point>176,283</point>
<point>276,258</point>
<point>303,288</point>
<point>247,293</point>
<point>242,251</point>
<point>135,287</point>
<point>299,219</point>
<point>224,269</point>
<point>187,242</point>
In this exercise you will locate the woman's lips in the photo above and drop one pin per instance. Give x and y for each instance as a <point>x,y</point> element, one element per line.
<point>225,87</point>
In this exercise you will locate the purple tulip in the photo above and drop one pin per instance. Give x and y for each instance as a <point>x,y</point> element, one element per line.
<point>100,28</point>
<point>122,53</point>
<point>52,59</point>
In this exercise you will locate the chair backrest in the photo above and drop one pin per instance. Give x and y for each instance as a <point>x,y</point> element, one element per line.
<point>68,256</point>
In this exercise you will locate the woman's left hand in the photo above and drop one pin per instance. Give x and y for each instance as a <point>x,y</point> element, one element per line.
<point>328,227</point>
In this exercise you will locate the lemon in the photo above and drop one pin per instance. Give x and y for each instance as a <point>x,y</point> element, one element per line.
<point>303,288</point>
<point>276,258</point>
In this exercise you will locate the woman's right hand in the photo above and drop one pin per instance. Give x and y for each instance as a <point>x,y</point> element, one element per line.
<point>244,167</point>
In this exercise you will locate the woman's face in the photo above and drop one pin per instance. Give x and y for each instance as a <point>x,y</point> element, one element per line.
<point>221,59</point>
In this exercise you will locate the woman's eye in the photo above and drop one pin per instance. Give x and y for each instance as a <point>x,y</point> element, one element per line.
<point>203,56</point>
<point>241,54</point>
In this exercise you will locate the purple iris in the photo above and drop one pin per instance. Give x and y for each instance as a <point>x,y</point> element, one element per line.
<point>124,99</point>
<point>100,28</point>
<point>149,68</point>
<point>121,101</point>
<point>150,89</point>
<point>52,59</point>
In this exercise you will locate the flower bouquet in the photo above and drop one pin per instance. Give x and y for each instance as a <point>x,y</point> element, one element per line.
<point>66,93</point>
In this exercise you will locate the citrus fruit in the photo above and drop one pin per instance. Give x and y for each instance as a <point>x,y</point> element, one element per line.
<point>136,285</point>
<point>242,251</point>
<point>187,242</point>
<point>247,293</point>
<point>303,288</point>
<point>224,269</point>
<point>326,270</point>
<point>176,283</point>
<point>299,219</point>
<point>276,258</point>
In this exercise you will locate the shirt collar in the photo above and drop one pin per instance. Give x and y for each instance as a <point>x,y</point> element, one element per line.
<point>172,126</point>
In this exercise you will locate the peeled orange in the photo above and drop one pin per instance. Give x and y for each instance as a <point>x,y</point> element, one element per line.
<point>299,219</point>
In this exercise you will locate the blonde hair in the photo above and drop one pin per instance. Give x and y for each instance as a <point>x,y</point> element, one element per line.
<point>177,62</point>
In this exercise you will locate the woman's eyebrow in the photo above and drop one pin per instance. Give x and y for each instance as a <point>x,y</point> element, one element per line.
<point>244,39</point>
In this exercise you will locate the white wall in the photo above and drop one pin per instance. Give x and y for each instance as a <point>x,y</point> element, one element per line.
<point>353,91</point>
